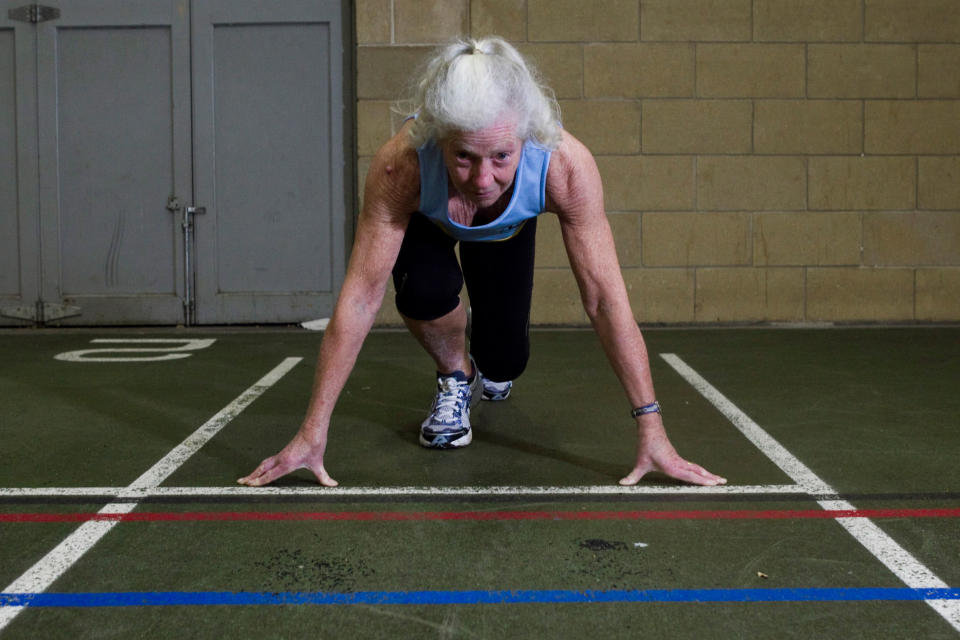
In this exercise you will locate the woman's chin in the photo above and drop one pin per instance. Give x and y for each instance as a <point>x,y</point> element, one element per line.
<point>485,199</point>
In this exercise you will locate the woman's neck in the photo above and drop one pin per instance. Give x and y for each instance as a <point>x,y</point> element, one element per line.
<point>464,211</point>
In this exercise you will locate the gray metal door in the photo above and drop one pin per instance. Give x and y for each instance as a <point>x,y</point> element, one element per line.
<point>268,150</point>
<point>19,223</point>
<point>114,145</point>
<point>105,144</point>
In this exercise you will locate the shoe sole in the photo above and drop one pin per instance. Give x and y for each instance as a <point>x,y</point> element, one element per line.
<point>496,397</point>
<point>438,441</point>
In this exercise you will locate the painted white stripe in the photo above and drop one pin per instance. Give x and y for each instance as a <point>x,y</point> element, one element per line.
<point>790,465</point>
<point>188,492</point>
<point>482,491</point>
<point>897,559</point>
<point>170,462</point>
<point>41,575</point>
<point>173,345</point>
<point>58,492</point>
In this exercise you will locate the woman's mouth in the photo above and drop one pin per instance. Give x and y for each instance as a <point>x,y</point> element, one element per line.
<point>489,194</point>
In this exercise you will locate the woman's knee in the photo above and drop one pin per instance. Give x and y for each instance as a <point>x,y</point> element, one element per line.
<point>427,297</point>
<point>502,361</point>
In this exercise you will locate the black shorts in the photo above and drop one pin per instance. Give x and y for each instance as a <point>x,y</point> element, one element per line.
<point>499,277</point>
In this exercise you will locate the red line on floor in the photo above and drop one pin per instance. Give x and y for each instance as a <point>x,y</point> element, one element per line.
<point>398,516</point>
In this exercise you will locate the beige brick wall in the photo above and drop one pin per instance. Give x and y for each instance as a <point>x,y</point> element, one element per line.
<point>763,160</point>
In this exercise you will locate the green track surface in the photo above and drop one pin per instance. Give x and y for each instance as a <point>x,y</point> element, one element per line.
<point>875,413</point>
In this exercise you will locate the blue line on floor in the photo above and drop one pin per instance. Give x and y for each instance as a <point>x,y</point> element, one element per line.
<point>550,596</point>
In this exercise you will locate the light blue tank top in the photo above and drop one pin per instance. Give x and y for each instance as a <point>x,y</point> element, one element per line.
<point>528,199</point>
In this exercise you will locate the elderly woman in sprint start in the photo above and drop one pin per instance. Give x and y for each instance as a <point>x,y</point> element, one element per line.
<point>481,157</point>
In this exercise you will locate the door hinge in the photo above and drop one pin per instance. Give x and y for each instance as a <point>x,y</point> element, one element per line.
<point>55,311</point>
<point>33,13</point>
<point>20,312</point>
<point>41,312</point>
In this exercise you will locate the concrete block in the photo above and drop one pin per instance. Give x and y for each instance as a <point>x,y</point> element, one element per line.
<point>550,251</point>
<point>578,21</point>
<point>808,126</point>
<point>911,239</point>
<point>749,295</point>
<point>695,20</point>
<point>430,21</point>
<point>661,295</point>
<point>939,183</point>
<point>807,20</point>
<point>561,66</point>
<point>938,68</point>
<point>645,183</point>
<point>938,295</point>
<point>626,228</point>
<point>504,18</point>
<point>912,126</point>
<point>751,183</point>
<point>806,238</point>
<point>861,71</point>
<point>605,127</point>
<point>383,73</point>
<point>860,294</point>
<point>374,125</point>
<point>695,239</point>
<point>750,70</point>
<point>849,184</point>
<point>373,21</point>
<point>697,126</point>
<point>556,299</point>
<point>912,20</point>
<point>639,70</point>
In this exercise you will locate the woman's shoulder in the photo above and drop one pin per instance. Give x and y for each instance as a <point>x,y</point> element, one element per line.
<point>398,152</point>
<point>572,174</point>
<point>395,170</point>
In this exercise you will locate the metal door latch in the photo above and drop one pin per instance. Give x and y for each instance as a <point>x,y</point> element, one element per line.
<point>33,13</point>
<point>186,223</point>
<point>190,211</point>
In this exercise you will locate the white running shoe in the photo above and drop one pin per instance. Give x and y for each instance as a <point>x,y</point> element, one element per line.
<point>496,391</point>
<point>448,425</point>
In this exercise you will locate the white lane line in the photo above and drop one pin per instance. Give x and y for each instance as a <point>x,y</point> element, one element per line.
<point>58,492</point>
<point>188,492</point>
<point>897,559</point>
<point>790,465</point>
<point>170,462</point>
<point>41,575</point>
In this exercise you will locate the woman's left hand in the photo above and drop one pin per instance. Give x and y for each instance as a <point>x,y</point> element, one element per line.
<point>655,453</point>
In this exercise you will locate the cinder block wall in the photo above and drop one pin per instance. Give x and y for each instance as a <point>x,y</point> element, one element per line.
<point>763,160</point>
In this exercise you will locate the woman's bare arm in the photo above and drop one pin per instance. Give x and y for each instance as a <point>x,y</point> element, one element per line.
<point>391,194</point>
<point>575,194</point>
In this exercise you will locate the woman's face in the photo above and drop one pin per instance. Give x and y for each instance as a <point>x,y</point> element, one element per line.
<point>482,163</point>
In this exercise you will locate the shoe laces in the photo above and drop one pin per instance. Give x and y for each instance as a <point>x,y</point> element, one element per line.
<point>451,396</point>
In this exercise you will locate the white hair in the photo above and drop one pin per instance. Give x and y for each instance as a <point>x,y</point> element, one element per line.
<point>469,85</point>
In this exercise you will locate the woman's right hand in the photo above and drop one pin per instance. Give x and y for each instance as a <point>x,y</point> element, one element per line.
<point>299,453</point>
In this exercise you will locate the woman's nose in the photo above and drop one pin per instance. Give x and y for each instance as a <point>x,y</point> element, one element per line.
<point>482,175</point>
